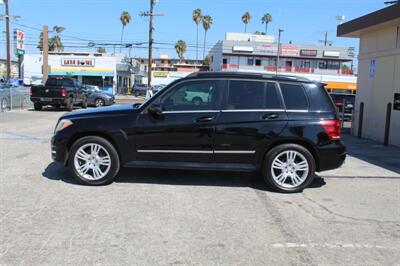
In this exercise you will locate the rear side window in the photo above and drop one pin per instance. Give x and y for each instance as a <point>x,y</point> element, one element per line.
<point>294,96</point>
<point>252,95</point>
<point>319,98</point>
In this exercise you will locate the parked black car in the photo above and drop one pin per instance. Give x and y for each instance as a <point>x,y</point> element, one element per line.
<point>98,98</point>
<point>284,127</point>
<point>139,90</point>
<point>345,104</point>
<point>59,92</point>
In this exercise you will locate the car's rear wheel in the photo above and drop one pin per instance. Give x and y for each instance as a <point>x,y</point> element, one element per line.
<point>289,168</point>
<point>37,106</point>
<point>93,161</point>
<point>99,102</point>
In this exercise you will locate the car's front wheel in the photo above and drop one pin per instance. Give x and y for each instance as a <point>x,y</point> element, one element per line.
<point>99,102</point>
<point>289,168</point>
<point>93,161</point>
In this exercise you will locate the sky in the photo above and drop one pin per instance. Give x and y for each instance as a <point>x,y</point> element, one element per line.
<point>304,22</point>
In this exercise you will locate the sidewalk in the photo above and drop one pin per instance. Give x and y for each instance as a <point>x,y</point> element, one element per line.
<point>368,158</point>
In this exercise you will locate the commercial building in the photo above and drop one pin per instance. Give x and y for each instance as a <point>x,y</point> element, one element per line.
<point>109,72</point>
<point>166,70</point>
<point>378,72</point>
<point>258,53</point>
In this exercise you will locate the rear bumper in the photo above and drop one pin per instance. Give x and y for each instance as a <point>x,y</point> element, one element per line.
<point>332,156</point>
<point>49,101</point>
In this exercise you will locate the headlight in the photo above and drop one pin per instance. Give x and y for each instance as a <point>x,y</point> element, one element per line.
<point>64,123</point>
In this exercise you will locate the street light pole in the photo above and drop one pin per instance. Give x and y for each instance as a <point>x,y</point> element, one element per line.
<point>148,94</point>
<point>278,53</point>
<point>45,50</point>
<point>8,41</point>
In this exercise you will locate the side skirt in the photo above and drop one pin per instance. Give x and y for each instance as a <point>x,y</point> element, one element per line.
<point>194,166</point>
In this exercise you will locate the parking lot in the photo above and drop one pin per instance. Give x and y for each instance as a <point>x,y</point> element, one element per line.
<point>348,216</point>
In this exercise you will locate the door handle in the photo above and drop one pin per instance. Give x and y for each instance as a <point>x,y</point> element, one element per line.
<point>204,119</point>
<point>270,116</point>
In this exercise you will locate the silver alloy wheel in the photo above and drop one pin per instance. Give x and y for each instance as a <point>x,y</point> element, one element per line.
<point>99,103</point>
<point>290,169</point>
<point>92,161</point>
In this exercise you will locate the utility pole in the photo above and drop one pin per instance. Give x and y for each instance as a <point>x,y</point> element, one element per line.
<point>325,41</point>
<point>8,41</point>
<point>150,64</point>
<point>45,52</point>
<point>278,53</point>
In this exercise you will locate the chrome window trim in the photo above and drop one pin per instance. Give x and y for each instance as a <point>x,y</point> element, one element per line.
<point>190,112</point>
<point>252,110</point>
<point>297,111</point>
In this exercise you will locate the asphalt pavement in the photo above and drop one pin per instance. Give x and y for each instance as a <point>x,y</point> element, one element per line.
<point>157,217</point>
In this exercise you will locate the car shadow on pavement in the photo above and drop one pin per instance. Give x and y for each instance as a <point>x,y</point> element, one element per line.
<point>58,172</point>
<point>374,153</point>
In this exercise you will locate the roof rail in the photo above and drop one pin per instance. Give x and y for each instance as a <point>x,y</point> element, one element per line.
<point>227,74</point>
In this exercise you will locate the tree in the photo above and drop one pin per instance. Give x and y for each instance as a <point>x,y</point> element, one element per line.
<point>55,44</point>
<point>101,50</point>
<point>180,48</point>
<point>197,17</point>
<point>246,18</point>
<point>207,23</point>
<point>125,18</point>
<point>207,61</point>
<point>259,32</point>
<point>266,18</point>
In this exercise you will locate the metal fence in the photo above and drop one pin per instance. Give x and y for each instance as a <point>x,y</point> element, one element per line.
<point>16,97</point>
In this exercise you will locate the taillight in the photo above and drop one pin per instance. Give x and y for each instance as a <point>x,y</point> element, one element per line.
<point>63,92</point>
<point>332,128</point>
<point>30,91</point>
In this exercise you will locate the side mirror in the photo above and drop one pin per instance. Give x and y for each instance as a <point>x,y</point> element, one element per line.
<point>156,111</point>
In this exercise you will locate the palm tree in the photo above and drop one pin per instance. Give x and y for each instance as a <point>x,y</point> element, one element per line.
<point>55,44</point>
<point>180,48</point>
<point>207,23</point>
<point>125,19</point>
<point>246,18</point>
<point>197,17</point>
<point>267,18</point>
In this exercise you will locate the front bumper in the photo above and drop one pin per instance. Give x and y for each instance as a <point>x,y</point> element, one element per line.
<point>59,151</point>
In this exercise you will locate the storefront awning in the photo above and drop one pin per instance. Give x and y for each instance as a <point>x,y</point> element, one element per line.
<point>81,71</point>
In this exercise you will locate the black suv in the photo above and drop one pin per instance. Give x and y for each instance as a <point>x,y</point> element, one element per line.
<point>284,127</point>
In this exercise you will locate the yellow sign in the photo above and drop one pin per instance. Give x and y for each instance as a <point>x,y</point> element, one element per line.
<point>160,74</point>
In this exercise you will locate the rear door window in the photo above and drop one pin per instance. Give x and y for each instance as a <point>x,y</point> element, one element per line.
<point>252,95</point>
<point>294,96</point>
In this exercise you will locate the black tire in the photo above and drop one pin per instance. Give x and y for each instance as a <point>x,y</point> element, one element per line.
<point>69,106</point>
<point>4,104</point>
<point>99,102</point>
<point>115,164</point>
<point>84,103</point>
<point>136,93</point>
<point>278,150</point>
<point>197,101</point>
<point>57,106</point>
<point>38,106</point>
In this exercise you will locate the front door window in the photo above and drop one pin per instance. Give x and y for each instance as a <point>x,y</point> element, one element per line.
<point>191,96</point>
